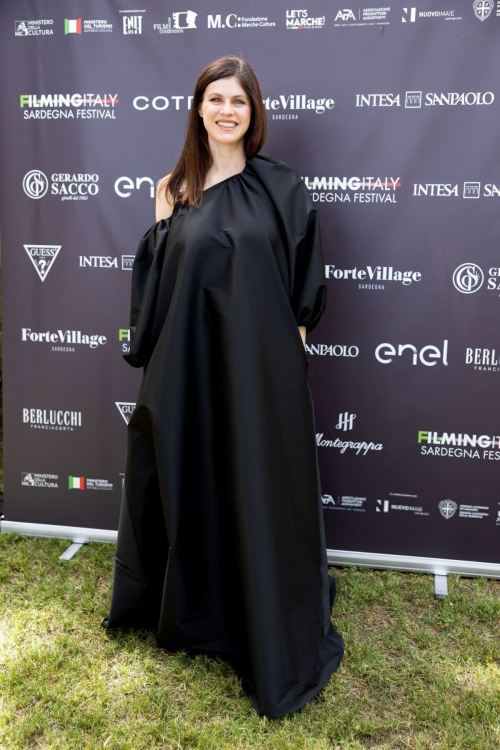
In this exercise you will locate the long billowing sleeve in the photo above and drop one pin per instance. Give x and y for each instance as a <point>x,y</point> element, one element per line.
<point>146,272</point>
<point>309,291</point>
<point>299,220</point>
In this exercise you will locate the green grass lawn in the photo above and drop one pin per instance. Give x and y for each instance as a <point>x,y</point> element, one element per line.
<point>417,672</point>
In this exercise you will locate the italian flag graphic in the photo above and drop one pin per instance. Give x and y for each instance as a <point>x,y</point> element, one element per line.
<point>72,25</point>
<point>76,483</point>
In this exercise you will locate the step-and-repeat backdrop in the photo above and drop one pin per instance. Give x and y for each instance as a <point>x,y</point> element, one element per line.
<point>391,116</point>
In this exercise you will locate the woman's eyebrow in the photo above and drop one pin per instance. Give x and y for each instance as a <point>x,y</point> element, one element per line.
<point>236,96</point>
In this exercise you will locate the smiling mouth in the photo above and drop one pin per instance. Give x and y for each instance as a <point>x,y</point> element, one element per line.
<point>226,125</point>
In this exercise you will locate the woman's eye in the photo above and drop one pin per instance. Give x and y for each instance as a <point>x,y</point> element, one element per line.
<point>214,98</point>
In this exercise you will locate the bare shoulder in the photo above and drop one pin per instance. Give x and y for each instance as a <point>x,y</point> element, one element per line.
<point>163,207</point>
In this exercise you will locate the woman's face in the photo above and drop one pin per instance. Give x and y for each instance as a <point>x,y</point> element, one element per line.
<point>225,103</point>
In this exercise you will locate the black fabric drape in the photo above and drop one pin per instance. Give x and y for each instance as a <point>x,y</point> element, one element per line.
<point>221,545</point>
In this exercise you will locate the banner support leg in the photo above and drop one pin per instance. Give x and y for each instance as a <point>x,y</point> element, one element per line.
<point>440,586</point>
<point>71,551</point>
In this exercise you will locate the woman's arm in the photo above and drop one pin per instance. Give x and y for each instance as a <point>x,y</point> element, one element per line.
<point>163,208</point>
<point>302,331</point>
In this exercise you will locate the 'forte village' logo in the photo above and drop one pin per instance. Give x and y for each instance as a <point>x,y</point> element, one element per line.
<point>42,257</point>
<point>93,340</point>
<point>371,275</point>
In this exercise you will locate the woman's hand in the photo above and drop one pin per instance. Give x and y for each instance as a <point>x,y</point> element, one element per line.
<point>302,331</point>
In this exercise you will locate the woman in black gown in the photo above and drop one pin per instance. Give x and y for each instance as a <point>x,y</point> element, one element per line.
<point>221,545</point>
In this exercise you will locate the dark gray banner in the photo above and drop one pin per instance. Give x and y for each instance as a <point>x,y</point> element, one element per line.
<point>391,116</point>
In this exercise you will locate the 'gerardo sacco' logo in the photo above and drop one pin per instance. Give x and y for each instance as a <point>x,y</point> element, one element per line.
<point>35,184</point>
<point>468,278</point>
<point>447,508</point>
<point>482,8</point>
<point>42,257</point>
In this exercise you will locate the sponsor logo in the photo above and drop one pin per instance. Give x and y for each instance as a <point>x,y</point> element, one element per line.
<point>415,99</point>
<point>486,360</point>
<point>65,337</point>
<point>35,184</point>
<point>124,337</point>
<point>384,353</point>
<point>472,190</point>
<point>355,189</point>
<point>410,15</point>
<point>345,15</point>
<point>42,257</point>
<point>106,261</point>
<point>126,410</point>
<point>448,190</point>
<point>300,20</point>
<point>177,23</point>
<point>52,419</point>
<point>125,185</point>
<point>32,479</point>
<point>447,508</point>
<point>132,24</point>
<point>372,274</point>
<point>345,502</point>
<point>365,17</point>
<point>344,445</point>
<point>468,278</point>
<point>72,25</point>
<point>459,445</point>
<point>332,350</point>
<point>99,484</point>
<point>346,421</point>
<point>34,28</point>
<point>68,106</point>
<point>94,25</point>
<point>80,483</point>
<point>286,107</point>
<point>482,8</point>
<point>70,187</point>
<point>385,505</point>
<point>235,21</point>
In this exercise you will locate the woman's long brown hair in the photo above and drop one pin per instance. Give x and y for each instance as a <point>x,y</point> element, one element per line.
<point>195,159</point>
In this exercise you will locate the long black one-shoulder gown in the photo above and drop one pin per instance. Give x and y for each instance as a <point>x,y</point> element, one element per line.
<point>221,545</point>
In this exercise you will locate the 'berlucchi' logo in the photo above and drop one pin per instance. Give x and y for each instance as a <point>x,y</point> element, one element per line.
<point>42,257</point>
